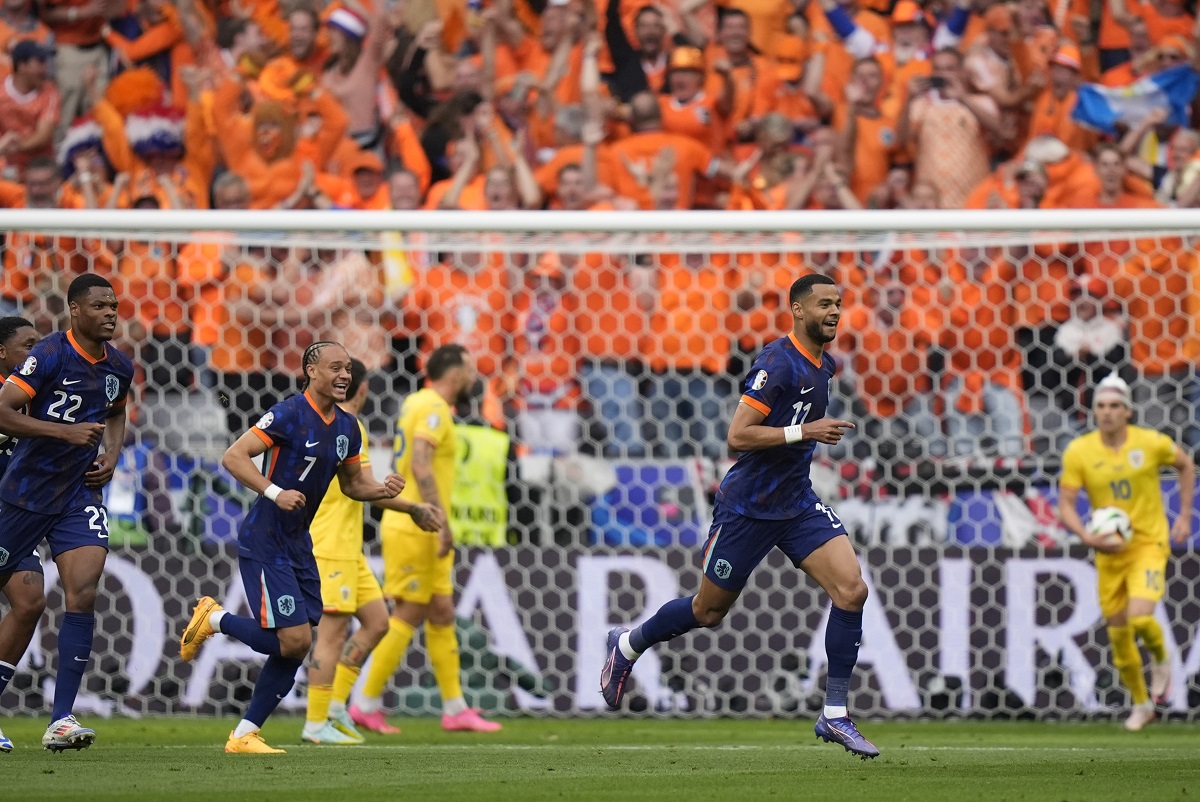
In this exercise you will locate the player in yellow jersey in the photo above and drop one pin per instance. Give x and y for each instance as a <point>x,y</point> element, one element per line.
<point>1118,464</point>
<point>418,566</point>
<point>348,588</point>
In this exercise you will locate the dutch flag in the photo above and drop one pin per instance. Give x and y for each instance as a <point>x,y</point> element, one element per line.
<point>1104,107</point>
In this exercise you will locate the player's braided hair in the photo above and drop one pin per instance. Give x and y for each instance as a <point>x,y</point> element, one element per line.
<point>311,354</point>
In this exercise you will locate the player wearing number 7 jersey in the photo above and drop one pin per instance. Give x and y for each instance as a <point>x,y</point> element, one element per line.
<point>74,384</point>
<point>1118,464</point>
<point>767,501</point>
<point>304,442</point>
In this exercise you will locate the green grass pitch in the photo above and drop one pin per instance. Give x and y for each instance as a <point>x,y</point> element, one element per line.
<point>180,758</point>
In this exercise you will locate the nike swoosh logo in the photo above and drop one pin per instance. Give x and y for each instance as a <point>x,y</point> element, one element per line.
<point>335,574</point>
<point>80,659</point>
<point>807,390</point>
<point>69,383</point>
<point>310,445</point>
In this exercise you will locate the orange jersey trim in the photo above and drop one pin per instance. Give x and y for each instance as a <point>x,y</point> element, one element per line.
<point>352,460</point>
<point>17,380</point>
<point>756,405</point>
<point>266,438</point>
<point>313,404</point>
<point>83,353</point>
<point>802,349</point>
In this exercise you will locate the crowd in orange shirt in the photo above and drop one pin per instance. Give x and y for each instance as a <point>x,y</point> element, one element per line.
<point>602,105</point>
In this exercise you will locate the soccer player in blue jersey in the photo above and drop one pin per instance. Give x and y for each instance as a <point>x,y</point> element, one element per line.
<point>304,441</point>
<point>24,587</point>
<point>74,385</point>
<point>767,501</point>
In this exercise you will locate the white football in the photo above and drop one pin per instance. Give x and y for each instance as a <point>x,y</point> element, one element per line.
<point>1108,521</point>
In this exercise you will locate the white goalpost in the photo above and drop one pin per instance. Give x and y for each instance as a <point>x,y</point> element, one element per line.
<point>613,346</point>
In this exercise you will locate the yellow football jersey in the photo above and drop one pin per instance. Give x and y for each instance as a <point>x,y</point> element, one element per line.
<point>337,528</point>
<point>427,416</point>
<point>1128,478</point>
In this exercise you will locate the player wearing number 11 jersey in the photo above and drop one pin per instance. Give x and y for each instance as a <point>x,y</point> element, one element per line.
<point>766,501</point>
<point>74,384</point>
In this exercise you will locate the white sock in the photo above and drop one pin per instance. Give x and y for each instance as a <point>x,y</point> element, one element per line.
<point>244,728</point>
<point>453,707</point>
<point>336,709</point>
<point>836,711</point>
<point>626,649</point>
<point>369,704</point>
<point>214,618</point>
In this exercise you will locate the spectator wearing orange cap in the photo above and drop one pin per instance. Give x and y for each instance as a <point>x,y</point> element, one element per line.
<point>29,109</point>
<point>947,125</point>
<point>1052,110</point>
<point>687,109</point>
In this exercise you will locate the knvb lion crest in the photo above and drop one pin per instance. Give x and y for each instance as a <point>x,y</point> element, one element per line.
<point>722,569</point>
<point>3,556</point>
<point>112,386</point>
<point>343,446</point>
<point>286,604</point>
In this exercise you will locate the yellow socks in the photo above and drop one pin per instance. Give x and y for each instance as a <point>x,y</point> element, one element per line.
<point>1149,632</point>
<point>1128,662</point>
<point>442,643</point>
<point>343,681</point>
<point>318,703</point>
<point>386,657</point>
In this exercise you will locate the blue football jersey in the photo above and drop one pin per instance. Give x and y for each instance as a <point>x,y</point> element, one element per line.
<point>67,385</point>
<point>7,446</point>
<point>303,453</point>
<point>789,386</point>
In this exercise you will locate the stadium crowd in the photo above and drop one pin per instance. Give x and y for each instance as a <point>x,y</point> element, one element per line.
<point>626,104</point>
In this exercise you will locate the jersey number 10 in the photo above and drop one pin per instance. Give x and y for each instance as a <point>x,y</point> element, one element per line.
<point>1121,489</point>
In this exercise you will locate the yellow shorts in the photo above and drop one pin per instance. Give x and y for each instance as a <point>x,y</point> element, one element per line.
<point>412,571</point>
<point>1138,572</point>
<point>347,585</point>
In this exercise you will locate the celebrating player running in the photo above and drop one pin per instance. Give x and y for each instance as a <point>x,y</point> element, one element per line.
<point>74,385</point>
<point>304,441</point>
<point>767,501</point>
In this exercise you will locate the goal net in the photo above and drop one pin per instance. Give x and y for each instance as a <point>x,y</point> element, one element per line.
<point>612,348</point>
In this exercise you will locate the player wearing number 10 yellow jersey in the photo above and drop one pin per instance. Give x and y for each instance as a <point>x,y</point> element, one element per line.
<point>1118,465</point>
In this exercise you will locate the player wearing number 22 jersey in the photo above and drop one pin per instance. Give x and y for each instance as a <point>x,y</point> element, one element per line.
<point>766,501</point>
<point>73,385</point>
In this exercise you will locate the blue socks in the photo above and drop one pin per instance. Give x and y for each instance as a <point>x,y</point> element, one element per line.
<point>74,651</point>
<point>248,631</point>
<point>842,637</point>
<point>274,682</point>
<point>7,672</point>
<point>673,619</point>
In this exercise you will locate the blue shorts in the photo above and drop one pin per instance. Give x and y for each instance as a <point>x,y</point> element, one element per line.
<point>282,596</point>
<point>21,531</point>
<point>737,544</point>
